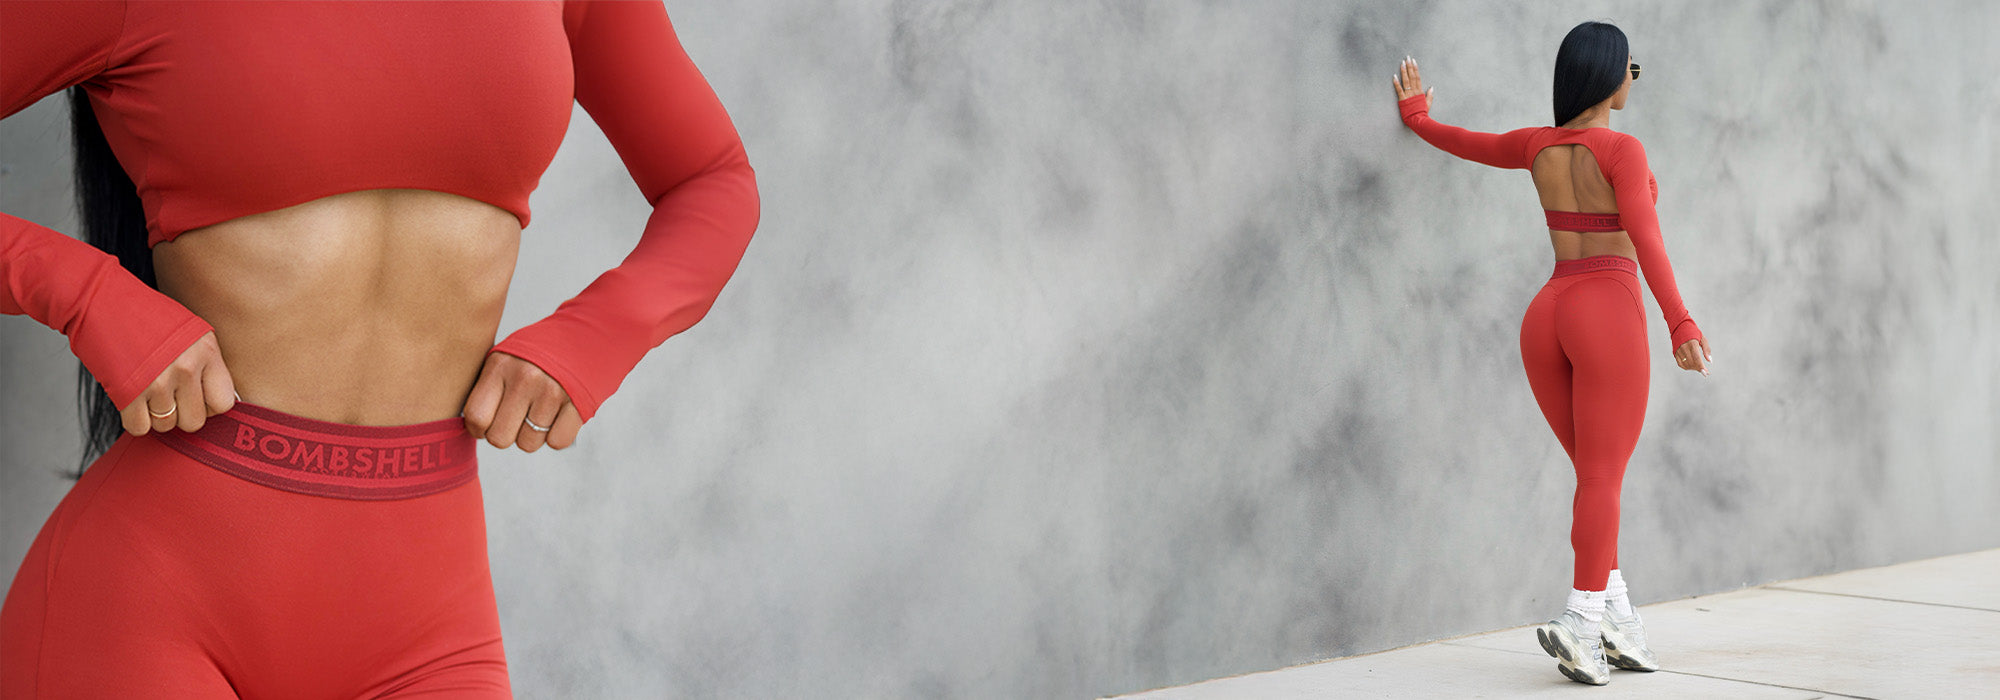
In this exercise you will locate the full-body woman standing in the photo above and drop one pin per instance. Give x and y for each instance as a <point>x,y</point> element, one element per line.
<point>1583,338</point>
<point>330,196</point>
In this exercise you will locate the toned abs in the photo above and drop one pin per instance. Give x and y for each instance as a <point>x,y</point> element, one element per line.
<point>373,307</point>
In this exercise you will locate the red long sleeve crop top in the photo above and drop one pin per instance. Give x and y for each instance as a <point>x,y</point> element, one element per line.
<point>219,110</point>
<point>1623,161</point>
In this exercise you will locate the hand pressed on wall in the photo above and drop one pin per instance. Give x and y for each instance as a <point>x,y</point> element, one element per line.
<point>1409,83</point>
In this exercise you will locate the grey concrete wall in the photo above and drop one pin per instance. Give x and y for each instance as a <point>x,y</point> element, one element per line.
<point>1090,347</point>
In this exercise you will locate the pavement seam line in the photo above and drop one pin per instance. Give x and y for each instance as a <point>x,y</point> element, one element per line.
<point>1828,693</point>
<point>1880,598</point>
<point>1774,685</point>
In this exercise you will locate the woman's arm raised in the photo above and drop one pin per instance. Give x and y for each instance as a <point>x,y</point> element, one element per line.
<point>1508,150</point>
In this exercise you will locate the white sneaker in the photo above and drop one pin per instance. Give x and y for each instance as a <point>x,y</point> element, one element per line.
<point>1625,642</point>
<point>1578,645</point>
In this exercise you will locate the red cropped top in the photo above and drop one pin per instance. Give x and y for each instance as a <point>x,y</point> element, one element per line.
<point>1623,161</point>
<point>1583,221</point>
<point>219,110</point>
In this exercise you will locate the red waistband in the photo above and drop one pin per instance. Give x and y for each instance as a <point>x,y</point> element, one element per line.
<point>1582,221</point>
<point>359,462</point>
<point>1595,263</point>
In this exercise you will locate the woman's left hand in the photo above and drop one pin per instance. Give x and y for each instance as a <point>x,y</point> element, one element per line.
<point>1694,356</point>
<point>509,393</point>
<point>1408,82</point>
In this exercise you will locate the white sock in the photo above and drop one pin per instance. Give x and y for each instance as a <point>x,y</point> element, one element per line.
<point>1589,604</point>
<point>1614,596</point>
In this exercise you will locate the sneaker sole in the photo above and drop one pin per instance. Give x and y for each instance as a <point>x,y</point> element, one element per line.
<point>1566,655</point>
<point>1553,647</point>
<point>1620,660</point>
<point>1576,675</point>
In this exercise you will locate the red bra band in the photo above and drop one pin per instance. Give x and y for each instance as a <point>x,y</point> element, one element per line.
<point>337,460</point>
<point>1582,221</point>
<point>1595,263</point>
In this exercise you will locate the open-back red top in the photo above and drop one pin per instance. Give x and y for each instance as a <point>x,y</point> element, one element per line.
<point>218,110</point>
<point>1619,156</point>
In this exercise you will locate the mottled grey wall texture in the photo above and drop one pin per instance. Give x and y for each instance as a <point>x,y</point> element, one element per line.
<point>1089,347</point>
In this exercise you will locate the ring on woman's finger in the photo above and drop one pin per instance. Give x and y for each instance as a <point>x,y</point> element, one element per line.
<point>170,411</point>
<point>532,426</point>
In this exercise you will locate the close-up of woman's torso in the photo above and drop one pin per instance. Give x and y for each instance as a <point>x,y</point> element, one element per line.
<point>338,188</point>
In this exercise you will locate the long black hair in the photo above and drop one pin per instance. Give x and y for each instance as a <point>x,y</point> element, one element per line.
<point>1590,67</point>
<point>107,205</point>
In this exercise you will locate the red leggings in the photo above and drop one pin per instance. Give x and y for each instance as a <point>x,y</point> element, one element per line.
<point>1583,342</point>
<point>265,556</point>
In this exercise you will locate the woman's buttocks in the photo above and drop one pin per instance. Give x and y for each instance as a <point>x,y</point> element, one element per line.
<point>374,307</point>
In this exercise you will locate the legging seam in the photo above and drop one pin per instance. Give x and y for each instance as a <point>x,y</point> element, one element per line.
<point>1638,305</point>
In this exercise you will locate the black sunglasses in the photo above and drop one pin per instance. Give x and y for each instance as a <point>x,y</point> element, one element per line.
<point>1635,71</point>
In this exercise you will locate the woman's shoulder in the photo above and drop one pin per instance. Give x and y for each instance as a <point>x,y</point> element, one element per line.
<point>1609,142</point>
<point>1621,138</point>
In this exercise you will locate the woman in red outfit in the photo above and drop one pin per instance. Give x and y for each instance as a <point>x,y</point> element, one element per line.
<point>1583,338</point>
<point>305,218</point>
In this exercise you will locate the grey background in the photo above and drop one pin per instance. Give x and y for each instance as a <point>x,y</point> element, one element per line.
<point>1090,347</point>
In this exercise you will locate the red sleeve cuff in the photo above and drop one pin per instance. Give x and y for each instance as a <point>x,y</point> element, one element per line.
<point>1413,105</point>
<point>572,382</point>
<point>124,390</point>
<point>1685,331</point>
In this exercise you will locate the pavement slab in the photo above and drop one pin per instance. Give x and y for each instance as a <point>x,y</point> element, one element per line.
<point>1924,629</point>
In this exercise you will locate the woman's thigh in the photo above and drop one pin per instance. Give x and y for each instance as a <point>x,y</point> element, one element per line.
<point>1603,333</point>
<point>1547,368</point>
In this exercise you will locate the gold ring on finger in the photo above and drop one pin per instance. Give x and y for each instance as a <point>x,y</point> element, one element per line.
<point>170,411</point>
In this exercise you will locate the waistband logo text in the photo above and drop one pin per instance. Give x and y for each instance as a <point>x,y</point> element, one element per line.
<point>324,458</point>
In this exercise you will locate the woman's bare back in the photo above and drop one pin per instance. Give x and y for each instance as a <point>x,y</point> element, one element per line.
<point>1567,179</point>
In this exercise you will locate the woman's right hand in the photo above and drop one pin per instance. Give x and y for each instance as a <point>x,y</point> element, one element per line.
<point>191,389</point>
<point>1694,356</point>
<point>1409,82</point>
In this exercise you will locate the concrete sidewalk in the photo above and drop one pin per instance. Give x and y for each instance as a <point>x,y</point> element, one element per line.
<point>1922,629</point>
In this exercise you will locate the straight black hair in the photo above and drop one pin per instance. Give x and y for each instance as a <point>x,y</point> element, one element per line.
<point>1590,67</point>
<point>107,205</point>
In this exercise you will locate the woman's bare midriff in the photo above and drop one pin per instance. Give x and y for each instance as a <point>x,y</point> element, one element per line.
<point>1567,178</point>
<point>374,307</point>
<point>1570,245</point>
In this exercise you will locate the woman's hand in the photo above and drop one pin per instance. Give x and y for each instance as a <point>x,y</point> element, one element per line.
<point>1409,82</point>
<point>190,390</point>
<point>509,393</point>
<point>1694,356</point>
